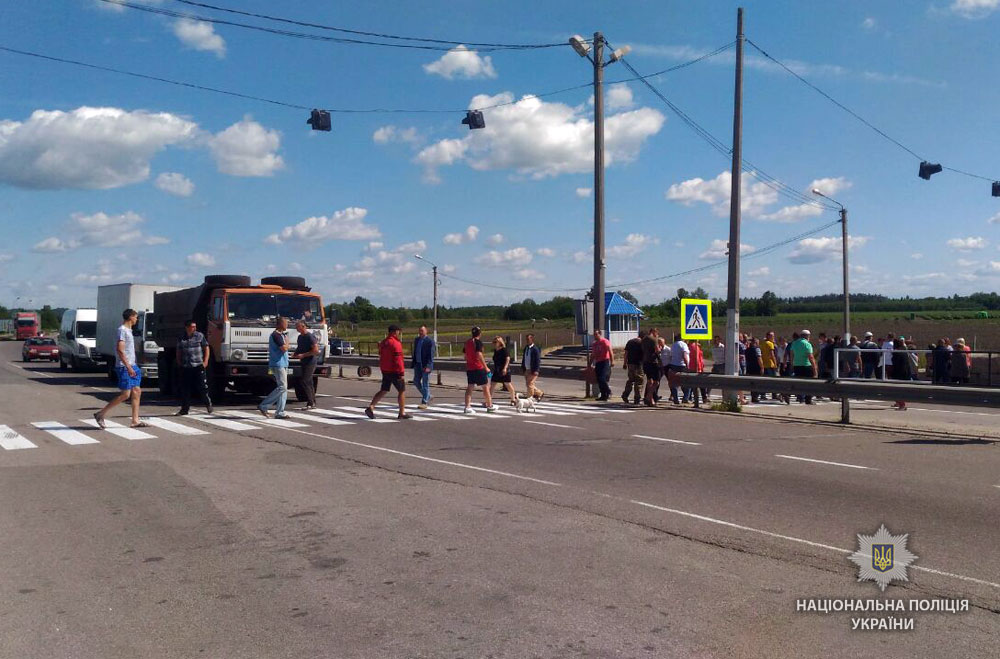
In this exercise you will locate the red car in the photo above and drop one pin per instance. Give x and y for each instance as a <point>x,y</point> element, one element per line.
<point>40,348</point>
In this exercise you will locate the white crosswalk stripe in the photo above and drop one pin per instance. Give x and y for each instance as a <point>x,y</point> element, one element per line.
<point>326,421</point>
<point>13,441</point>
<point>571,407</point>
<point>227,424</point>
<point>259,418</point>
<point>358,414</point>
<point>118,429</point>
<point>64,433</point>
<point>173,426</point>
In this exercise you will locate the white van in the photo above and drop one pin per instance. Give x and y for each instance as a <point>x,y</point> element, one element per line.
<point>77,339</point>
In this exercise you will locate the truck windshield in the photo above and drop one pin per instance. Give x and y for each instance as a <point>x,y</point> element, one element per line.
<point>86,329</point>
<point>25,322</point>
<point>266,308</point>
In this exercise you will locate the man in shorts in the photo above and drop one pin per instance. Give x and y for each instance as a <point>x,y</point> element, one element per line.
<point>393,367</point>
<point>476,372</point>
<point>128,372</point>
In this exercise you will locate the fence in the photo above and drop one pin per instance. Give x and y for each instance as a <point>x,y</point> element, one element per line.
<point>979,369</point>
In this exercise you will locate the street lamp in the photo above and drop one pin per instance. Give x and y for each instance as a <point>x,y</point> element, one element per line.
<point>594,52</point>
<point>434,273</point>
<point>847,293</point>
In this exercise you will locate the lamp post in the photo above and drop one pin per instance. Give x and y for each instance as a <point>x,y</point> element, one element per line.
<point>847,292</point>
<point>434,273</point>
<point>594,52</point>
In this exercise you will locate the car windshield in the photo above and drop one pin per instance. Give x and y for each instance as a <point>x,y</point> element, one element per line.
<point>45,342</point>
<point>265,308</point>
<point>86,329</point>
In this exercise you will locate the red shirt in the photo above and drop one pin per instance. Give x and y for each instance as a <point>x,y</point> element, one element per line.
<point>473,360</point>
<point>601,350</point>
<point>390,356</point>
<point>696,362</point>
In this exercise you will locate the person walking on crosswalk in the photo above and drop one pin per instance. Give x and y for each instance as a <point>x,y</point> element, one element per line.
<point>477,375</point>
<point>531,363</point>
<point>277,365</point>
<point>393,367</point>
<point>128,372</point>
<point>192,358</point>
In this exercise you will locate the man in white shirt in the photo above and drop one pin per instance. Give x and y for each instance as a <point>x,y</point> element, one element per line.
<point>128,373</point>
<point>680,355</point>
<point>887,354</point>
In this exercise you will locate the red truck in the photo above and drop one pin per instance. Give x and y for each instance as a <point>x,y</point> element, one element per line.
<point>27,325</point>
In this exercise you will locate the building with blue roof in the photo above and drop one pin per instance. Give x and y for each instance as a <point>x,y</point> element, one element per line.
<point>621,319</point>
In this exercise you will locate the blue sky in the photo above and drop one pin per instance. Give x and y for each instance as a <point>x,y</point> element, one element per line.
<point>107,178</point>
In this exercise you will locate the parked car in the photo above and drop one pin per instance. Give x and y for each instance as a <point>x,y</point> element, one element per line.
<point>341,347</point>
<point>40,348</point>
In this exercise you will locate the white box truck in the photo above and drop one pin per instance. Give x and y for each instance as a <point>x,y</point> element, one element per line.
<point>112,300</point>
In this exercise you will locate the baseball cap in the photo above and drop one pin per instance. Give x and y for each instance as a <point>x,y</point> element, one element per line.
<point>805,332</point>
<point>868,335</point>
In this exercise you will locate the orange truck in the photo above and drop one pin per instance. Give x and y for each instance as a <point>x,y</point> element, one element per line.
<point>237,318</point>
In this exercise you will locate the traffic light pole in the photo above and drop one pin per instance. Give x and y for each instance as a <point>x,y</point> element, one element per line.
<point>733,298</point>
<point>598,59</point>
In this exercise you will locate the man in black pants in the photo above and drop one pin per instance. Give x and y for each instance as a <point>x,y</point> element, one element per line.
<point>192,359</point>
<point>306,351</point>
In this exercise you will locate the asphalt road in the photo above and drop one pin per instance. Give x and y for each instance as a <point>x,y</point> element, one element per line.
<point>578,531</point>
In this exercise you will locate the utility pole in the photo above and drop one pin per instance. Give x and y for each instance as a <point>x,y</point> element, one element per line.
<point>847,290</point>
<point>598,59</point>
<point>733,298</point>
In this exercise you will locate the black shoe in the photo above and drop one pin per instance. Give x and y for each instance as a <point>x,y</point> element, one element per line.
<point>625,399</point>
<point>210,408</point>
<point>370,413</point>
<point>182,413</point>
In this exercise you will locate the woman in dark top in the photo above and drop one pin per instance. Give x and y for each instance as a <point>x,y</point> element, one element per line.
<point>501,368</point>
<point>902,367</point>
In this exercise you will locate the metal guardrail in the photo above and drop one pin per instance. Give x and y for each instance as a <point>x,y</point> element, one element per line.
<point>458,366</point>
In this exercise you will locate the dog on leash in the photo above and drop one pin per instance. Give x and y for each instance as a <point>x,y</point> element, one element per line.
<point>525,405</point>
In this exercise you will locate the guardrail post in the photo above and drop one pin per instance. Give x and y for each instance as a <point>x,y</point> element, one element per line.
<point>341,371</point>
<point>439,378</point>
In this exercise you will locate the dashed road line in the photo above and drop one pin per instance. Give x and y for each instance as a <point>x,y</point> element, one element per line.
<point>664,439</point>
<point>554,425</point>
<point>826,462</point>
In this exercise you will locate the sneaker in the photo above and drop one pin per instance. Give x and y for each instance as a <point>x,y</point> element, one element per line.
<point>370,413</point>
<point>422,406</point>
<point>491,408</point>
<point>469,410</point>
<point>404,416</point>
<point>264,412</point>
<point>282,416</point>
<point>182,413</point>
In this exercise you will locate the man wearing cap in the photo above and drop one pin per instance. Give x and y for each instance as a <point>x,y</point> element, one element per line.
<point>803,361</point>
<point>393,367</point>
<point>869,360</point>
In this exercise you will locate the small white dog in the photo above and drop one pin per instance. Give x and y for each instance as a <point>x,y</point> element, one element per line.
<point>525,405</point>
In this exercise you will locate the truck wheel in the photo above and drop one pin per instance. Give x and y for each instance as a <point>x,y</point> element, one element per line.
<point>216,383</point>
<point>291,283</point>
<point>222,281</point>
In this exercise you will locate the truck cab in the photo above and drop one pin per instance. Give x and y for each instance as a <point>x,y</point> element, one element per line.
<point>26,325</point>
<point>77,339</point>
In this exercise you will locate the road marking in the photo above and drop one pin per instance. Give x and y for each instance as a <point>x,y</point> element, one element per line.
<point>790,538</point>
<point>664,439</point>
<point>360,412</point>
<point>427,459</point>
<point>116,428</point>
<point>825,462</point>
<point>416,415</point>
<point>227,424</point>
<point>927,409</point>
<point>12,441</point>
<point>64,433</point>
<point>554,425</point>
<point>582,409</point>
<point>358,416</point>
<point>172,426</point>
<point>585,408</point>
<point>319,419</point>
<point>41,373</point>
<point>259,418</point>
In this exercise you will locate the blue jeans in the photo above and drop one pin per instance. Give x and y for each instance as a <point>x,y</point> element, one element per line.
<point>423,381</point>
<point>279,396</point>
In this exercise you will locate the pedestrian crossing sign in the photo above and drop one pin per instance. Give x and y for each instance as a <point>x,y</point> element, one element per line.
<point>696,319</point>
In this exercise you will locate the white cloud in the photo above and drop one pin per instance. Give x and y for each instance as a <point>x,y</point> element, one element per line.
<point>100,275</point>
<point>619,97</point>
<point>374,245</point>
<point>101,230</point>
<point>391,133</point>
<point>4,257</point>
<point>495,239</point>
<point>247,149</point>
<point>460,62</point>
<point>339,267</point>
<point>583,256</point>
<point>175,184</point>
<point>754,197</point>
<point>347,224</point>
<point>869,23</point>
<point>355,275</point>
<point>116,6</point>
<point>407,266</point>
<point>528,273</point>
<point>200,260</point>
<point>200,36</point>
<point>792,213</point>
<point>816,250</point>
<point>545,251</point>
<point>468,236</point>
<point>415,246</point>
<point>760,272</point>
<point>515,256</point>
<point>975,8</point>
<point>540,139</point>
<point>967,244</point>
<point>966,263</point>
<point>916,256</point>
<point>86,148</point>
<point>995,219</point>
<point>830,185</point>
<point>719,249</point>
<point>634,243</point>
<point>448,268</point>
<point>583,193</point>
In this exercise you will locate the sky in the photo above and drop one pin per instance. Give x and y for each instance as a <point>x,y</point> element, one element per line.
<point>106,178</point>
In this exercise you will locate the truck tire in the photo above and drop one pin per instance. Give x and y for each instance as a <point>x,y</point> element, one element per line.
<point>216,383</point>
<point>223,281</point>
<point>291,283</point>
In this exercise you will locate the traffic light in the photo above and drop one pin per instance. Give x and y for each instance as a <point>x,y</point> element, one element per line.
<point>474,119</point>
<point>319,120</point>
<point>927,169</point>
<point>996,188</point>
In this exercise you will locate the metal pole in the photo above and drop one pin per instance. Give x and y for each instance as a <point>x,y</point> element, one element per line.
<point>598,54</point>
<point>733,298</point>
<point>434,272</point>
<point>845,404</point>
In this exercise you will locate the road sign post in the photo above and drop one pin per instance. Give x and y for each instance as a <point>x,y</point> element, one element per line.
<point>696,319</point>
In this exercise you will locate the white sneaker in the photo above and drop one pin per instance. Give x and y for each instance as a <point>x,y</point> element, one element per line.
<point>469,410</point>
<point>491,408</point>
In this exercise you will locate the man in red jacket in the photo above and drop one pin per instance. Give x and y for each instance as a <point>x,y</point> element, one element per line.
<point>393,367</point>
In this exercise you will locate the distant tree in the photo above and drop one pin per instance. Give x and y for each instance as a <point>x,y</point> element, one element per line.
<point>628,296</point>
<point>49,318</point>
<point>700,293</point>
<point>767,305</point>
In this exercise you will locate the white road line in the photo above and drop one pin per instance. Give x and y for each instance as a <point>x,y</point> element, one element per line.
<point>994,485</point>
<point>64,433</point>
<point>825,462</point>
<point>927,409</point>
<point>810,543</point>
<point>12,441</point>
<point>259,418</point>
<point>554,425</point>
<point>585,408</point>
<point>664,439</point>
<point>359,415</point>
<point>118,429</point>
<point>44,375</point>
<point>582,409</point>
<point>172,426</point>
<point>227,424</point>
<point>427,459</point>
<point>319,419</point>
<point>479,411</point>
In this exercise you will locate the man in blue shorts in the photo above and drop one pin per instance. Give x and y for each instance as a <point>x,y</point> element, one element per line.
<point>128,372</point>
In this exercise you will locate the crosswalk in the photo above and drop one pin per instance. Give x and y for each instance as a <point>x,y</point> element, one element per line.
<point>87,431</point>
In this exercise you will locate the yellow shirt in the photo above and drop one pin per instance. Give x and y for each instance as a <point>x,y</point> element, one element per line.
<point>767,354</point>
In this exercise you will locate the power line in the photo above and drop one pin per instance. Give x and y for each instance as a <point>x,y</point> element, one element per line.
<point>854,114</point>
<point>310,36</point>
<point>363,33</point>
